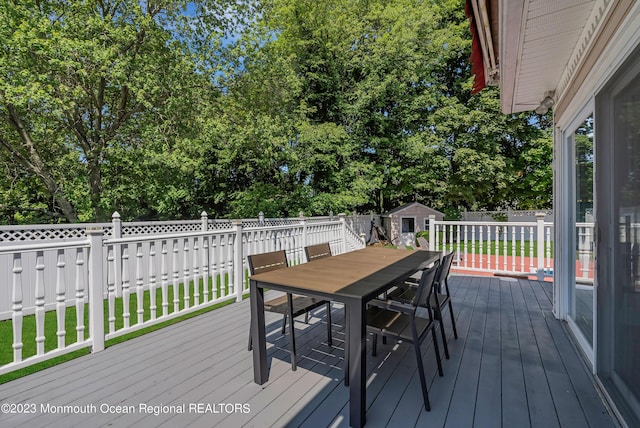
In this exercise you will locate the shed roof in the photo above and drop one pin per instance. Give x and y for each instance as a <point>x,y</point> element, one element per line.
<point>409,205</point>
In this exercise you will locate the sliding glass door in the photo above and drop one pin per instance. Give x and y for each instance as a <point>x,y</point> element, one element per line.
<point>582,299</point>
<point>618,249</point>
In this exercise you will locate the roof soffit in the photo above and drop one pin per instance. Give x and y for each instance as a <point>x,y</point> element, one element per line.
<point>542,44</point>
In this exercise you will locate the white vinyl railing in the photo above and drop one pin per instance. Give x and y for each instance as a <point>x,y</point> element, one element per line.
<point>115,286</point>
<point>585,249</point>
<point>508,248</point>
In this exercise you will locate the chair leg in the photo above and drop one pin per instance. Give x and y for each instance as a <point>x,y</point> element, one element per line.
<point>443,334</point>
<point>374,348</point>
<point>284,324</point>
<point>329,341</point>
<point>292,340</point>
<point>453,321</point>
<point>436,348</point>
<point>249,347</point>
<point>423,380</point>
<point>346,347</point>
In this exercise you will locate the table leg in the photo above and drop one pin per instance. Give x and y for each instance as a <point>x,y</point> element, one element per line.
<point>258,336</point>
<point>292,334</point>
<point>357,362</point>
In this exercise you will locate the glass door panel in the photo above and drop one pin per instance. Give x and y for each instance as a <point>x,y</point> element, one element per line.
<point>618,243</point>
<point>626,194</point>
<point>582,306</point>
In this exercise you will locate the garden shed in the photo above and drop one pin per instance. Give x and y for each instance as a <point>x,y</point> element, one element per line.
<point>402,223</point>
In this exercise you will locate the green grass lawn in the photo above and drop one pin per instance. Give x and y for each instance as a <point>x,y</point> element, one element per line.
<point>50,325</point>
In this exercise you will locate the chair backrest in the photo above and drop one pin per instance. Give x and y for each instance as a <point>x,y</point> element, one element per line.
<point>318,251</point>
<point>446,267</point>
<point>425,285</point>
<point>265,262</point>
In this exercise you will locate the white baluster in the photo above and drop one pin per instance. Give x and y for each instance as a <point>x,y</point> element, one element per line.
<point>185,277</point>
<point>522,249</point>
<point>176,276</point>
<point>458,235</point>
<point>548,246</point>
<point>39,295</point>
<point>16,308</point>
<point>139,284</point>
<point>126,291</point>
<point>196,272</point>
<point>205,267</point>
<point>111,289</point>
<point>230,285</point>
<point>497,243</point>
<point>153,307</point>
<point>473,246</point>
<point>505,247</point>
<point>214,267</point>
<point>164,279</point>
<point>80,286</point>
<point>513,248</point>
<point>61,290</point>
<point>531,245</point>
<point>488,247</point>
<point>466,246</point>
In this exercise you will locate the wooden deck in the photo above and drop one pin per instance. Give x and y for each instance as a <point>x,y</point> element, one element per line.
<point>513,365</point>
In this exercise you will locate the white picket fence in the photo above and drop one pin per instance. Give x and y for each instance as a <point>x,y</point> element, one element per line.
<point>510,248</point>
<point>502,248</point>
<point>117,282</point>
<point>132,282</point>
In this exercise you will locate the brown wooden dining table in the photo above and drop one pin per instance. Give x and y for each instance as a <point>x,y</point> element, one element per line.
<point>353,278</point>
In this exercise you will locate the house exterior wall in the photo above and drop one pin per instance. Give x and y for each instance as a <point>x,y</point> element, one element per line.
<point>613,44</point>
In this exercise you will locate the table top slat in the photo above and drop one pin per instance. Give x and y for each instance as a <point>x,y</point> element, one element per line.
<point>349,274</point>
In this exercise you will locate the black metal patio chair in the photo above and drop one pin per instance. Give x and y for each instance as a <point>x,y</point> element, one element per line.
<point>410,322</point>
<point>440,299</point>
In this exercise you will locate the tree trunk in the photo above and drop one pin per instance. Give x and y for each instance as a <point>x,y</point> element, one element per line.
<point>32,161</point>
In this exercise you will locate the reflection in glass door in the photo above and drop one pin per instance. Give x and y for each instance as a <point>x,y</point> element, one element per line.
<point>582,306</point>
<point>618,182</point>
<point>626,189</point>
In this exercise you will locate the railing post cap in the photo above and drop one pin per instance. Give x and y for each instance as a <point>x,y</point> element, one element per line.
<point>541,214</point>
<point>115,215</point>
<point>203,214</point>
<point>342,215</point>
<point>95,230</point>
<point>236,222</point>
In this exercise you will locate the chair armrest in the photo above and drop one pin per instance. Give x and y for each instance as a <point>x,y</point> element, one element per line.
<point>409,283</point>
<point>393,305</point>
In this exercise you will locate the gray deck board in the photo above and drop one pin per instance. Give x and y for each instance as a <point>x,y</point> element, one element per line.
<point>515,412</point>
<point>512,365</point>
<point>538,394</point>
<point>488,400</point>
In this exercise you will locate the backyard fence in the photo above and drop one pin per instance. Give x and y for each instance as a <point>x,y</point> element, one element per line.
<point>502,248</point>
<point>67,288</point>
<point>76,293</point>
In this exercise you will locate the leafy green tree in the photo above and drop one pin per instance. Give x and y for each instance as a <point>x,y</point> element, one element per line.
<point>90,86</point>
<point>391,80</point>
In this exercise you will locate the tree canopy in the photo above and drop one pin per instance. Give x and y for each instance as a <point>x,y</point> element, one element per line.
<point>162,109</point>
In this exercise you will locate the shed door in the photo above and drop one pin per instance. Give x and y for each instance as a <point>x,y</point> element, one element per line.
<point>407,231</point>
